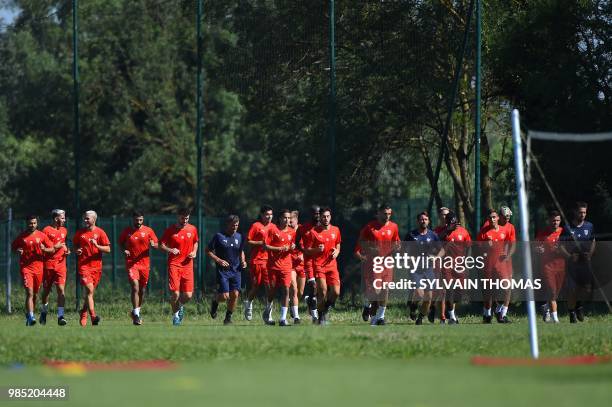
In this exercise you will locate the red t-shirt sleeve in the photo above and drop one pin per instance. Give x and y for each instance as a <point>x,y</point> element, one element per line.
<point>123,237</point>
<point>103,239</point>
<point>152,236</point>
<point>195,235</point>
<point>166,237</point>
<point>47,242</point>
<point>339,238</point>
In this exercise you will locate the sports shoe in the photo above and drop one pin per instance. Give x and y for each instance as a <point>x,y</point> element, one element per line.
<point>498,317</point>
<point>176,321</point>
<point>43,318</point>
<point>431,315</point>
<point>546,317</point>
<point>297,321</point>
<point>580,314</point>
<point>487,319</point>
<point>136,319</point>
<point>453,321</point>
<point>181,313</point>
<point>365,314</point>
<point>270,322</point>
<point>572,317</point>
<point>322,319</point>
<point>83,318</point>
<point>227,321</point>
<point>544,310</point>
<point>61,321</point>
<point>30,321</point>
<point>95,320</point>
<point>380,322</point>
<point>419,320</point>
<point>248,313</point>
<point>374,321</point>
<point>213,309</point>
<point>283,322</point>
<point>413,310</point>
<point>265,315</point>
<point>504,320</point>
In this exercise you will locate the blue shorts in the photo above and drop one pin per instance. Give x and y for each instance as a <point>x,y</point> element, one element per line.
<point>228,281</point>
<point>423,275</point>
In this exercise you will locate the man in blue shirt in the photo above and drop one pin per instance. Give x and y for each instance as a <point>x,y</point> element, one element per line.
<point>579,236</point>
<point>227,251</point>
<point>427,245</point>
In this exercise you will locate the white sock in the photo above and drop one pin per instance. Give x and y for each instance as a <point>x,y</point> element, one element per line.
<point>296,313</point>
<point>176,314</point>
<point>498,308</point>
<point>60,312</point>
<point>31,314</point>
<point>315,313</point>
<point>45,307</point>
<point>380,313</point>
<point>487,312</point>
<point>555,317</point>
<point>451,314</point>
<point>137,311</point>
<point>504,311</point>
<point>249,304</point>
<point>283,314</point>
<point>269,310</point>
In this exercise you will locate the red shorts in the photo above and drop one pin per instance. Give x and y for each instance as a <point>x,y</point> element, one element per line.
<point>554,277</point>
<point>279,278</point>
<point>180,279</point>
<point>32,279</point>
<point>452,275</point>
<point>53,276</point>
<point>259,274</point>
<point>331,275</point>
<point>90,276</point>
<point>139,273</point>
<point>309,269</point>
<point>300,273</point>
<point>498,271</point>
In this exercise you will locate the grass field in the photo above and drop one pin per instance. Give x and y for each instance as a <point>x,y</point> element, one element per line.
<point>346,363</point>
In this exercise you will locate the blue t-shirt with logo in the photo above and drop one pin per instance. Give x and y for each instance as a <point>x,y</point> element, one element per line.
<point>584,234</point>
<point>227,248</point>
<point>428,243</point>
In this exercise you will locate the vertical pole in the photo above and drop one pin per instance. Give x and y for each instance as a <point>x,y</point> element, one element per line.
<point>524,229</point>
<point>477,181</point>
<point>9,225</point>
<point>114,252</point>
<point>76,135</point>
<point>199,117</point>
<point>332,104</point>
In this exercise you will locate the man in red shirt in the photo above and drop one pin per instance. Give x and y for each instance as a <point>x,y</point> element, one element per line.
<point>457,242</point>
<point>495,250</point>
<point>135,241</point>
<point>303,241</point>
<point>553,264</point>
<point>180,241</point>
<point>324,248</point>
<point>31,245</point>
<point>380,237</point>
<point>55,266</point>
<point>256,238</point>
<point>504,222</point>
<point>280,244</point>
<point>89,244</point>
<point>298,275</point>
<point>439,300</point>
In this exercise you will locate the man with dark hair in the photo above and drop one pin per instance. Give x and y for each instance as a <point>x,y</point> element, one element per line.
<point>379,237</point>
<point>180,241</point>
<point>89,244</point>
<point>55,266</point>
<point>579,246</point>
<point>256,238</point>
<point>135,241</point>
<point>31,245</point>
<point>302,241</point>
<point>279,243</point>
<point>427,241</point>
<point>510,238</point>
<point>227,251</point>
<point>298,275</point>
<point>324,247</point>
<point>553,264</point>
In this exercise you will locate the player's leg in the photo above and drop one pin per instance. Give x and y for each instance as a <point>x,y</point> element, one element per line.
<point>284,303</point>
<point>321,297</point>
<point>222,294</point>
<point>272,286</point>
<point>294,295</point>
<point>44,298</point>
<point>231,306</point>
<point>135,297</point>
<point>28,285</point>
<point>61,302</point>
<point>425,305</point>
<point>142,287</point>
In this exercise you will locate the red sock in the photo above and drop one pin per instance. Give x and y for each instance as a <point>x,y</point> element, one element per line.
<point>92,313</point>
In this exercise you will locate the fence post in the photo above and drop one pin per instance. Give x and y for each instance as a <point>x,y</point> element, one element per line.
<point>114,251</point>
<point>9,308</point>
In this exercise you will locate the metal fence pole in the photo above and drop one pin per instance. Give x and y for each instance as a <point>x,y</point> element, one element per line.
<point>199,119</point>
<point>9,223</point>
<point>114,251</point>
<point>332,104</point>
<point>76,135</point>
<point>477,191</point>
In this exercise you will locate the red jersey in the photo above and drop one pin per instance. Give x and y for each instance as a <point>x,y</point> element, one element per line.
<point>550,237</point>
<point>439,229</point>
<point>302,235</point>
<point>296,254</point>
<point>183,239</point>
<point>378,236</point>
<point>280,260</point>
<point>91,257</point>
<point>57,260</point>
<point>259,232</point>
<point>137,241</point>
<point>509,231</point>
<point>496,240</point>
<point>32,257</point>
<point>330,238</point>
<point>458,241</point>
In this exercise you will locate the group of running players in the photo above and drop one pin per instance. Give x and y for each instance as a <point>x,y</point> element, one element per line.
<point>293,261</point>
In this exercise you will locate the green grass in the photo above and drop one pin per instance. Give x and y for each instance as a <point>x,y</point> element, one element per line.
<point>346,363</point>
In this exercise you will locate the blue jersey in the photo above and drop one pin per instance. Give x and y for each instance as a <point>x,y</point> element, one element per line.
<point>228,248</point>
<point>428,244</point>
<point>583,234</point>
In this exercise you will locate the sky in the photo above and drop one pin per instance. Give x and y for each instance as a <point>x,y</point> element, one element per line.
<point>7,15</point>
